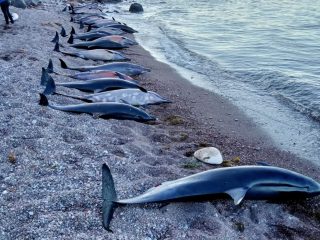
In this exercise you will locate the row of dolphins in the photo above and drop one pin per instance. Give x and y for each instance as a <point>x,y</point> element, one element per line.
<point>259,182</point>
<point>114,93</point>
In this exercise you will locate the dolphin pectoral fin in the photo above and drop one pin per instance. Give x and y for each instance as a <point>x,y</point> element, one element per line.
<point>124,101</point>
<point>237,194</point>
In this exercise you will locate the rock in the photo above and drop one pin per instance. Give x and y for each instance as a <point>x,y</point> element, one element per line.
<point>19,4</point>
<point>209,155</point>
<point>32,2</point>
<point>135,8</point>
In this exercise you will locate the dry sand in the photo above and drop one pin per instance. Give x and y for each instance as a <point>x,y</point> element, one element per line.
<point>50,170</point>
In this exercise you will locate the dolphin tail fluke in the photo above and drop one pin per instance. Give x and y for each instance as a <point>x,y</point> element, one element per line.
<point>70,39</point>
<point>73,31</point>
<point>56,38</point>
<point>56,47</point>
<point>50,87</point>
<point>43,100</point>
<point>63,64</point>
<point>109,197</point>
<point>44,77</point>
<point>50,66</point>
<point>63,32</point>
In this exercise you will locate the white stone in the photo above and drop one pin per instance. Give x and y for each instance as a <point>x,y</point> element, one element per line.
<point>210,155</point>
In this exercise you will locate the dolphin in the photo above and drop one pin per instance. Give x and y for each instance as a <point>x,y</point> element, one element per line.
<point>244,182</point>
<point>120,39</point>
<point>103,110</point>
<point>88,36</point>
<point>131,96</point>
<point>113,24</point>
<point>94,85</point>
<point>98,43</point>
<point>96,75</point>
<point>122,67</point>
<point>87,75</point>
<point>96,54</point>
<point>113,31</point>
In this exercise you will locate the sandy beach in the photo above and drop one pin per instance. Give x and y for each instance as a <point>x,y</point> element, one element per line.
<point>50,171</point>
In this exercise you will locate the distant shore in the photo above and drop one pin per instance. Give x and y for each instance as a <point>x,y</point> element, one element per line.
<point>53,188</point>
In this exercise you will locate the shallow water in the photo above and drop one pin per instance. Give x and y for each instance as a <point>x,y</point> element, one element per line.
<point>262,55</point>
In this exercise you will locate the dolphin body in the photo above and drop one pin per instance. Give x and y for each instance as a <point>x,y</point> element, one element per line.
<point>119,111</point>
<point>88,36</point>
<point>96,74</point>
<point>114,31</point>
<point>95,54</point>
<point>94,85</point>
<point>244,182</point>
<point>113,24</point>
<point>95,44</point>
<point>120,39</point>
<point>131,96</point>
<point>122,67</point>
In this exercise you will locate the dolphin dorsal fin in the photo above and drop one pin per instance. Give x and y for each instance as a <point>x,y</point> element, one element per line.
<point>237,194</point>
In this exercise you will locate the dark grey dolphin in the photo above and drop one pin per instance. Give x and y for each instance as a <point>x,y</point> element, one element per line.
<point>103,110</point>
<point>94,85</point>
<point>95,44</point>
<point>113,24</point>
<point>113,31</point>
<point>95,54</point>
<point>249,182</point>
<point>88,36</point>
<point>86,75</point>
<point>122,67</point>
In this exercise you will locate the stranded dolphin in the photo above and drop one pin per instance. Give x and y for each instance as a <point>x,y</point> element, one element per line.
<point>87,75</point>
<point>103,110</point>
<point>96,54</point>
<point>131,96</point>
<point>125,68</point>
<point>94,85</point>
<point>249,182</point>
<point>98,43</point>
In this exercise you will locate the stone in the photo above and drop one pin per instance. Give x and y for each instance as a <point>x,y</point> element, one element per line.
<point>135,8</point>
<point>19,4</point>
<point>210,155</point>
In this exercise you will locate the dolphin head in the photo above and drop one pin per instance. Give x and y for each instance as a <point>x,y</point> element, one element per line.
<point>313,188</point>
<point>274,182</point>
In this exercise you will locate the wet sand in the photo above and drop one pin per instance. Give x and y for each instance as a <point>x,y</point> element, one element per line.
<point>50,171</point>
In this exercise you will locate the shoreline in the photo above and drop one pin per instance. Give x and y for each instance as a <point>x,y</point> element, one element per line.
<point>54,187</point>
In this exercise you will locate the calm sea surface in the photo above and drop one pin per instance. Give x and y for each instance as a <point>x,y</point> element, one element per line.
<point>262,55</point>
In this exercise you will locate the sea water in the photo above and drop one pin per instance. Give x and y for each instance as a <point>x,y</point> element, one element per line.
<point>263,55</point>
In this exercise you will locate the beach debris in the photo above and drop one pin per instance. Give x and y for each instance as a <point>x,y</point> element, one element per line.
<point>210,155</point>
<point>232,162</point>
<point>136,8</point>
<point>12,158</point>
<point>122,67</point>
<point>174,120</point>
<point>238,183</point>
<point>191,165</point>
